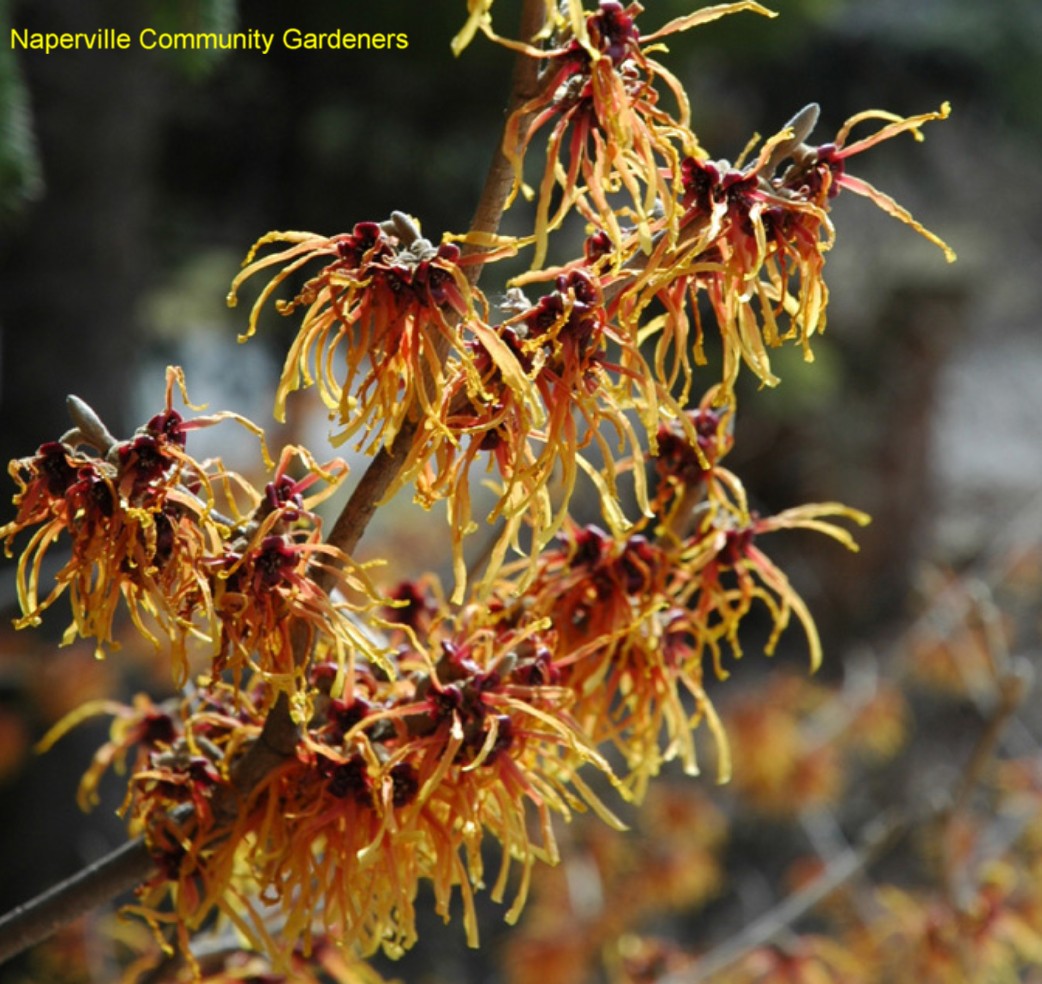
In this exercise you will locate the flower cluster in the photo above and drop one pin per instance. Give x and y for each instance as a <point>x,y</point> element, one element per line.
<point>752,240</point>
<point>642,622</point>
<point>136,525</point>
<point>391,783</point>
<point>536,428</point>
<point>991,932</point>
<point>608,132</point>
<point>749,237</point>
<point>405,314</point>
<point>189,549</point>
<point>638,616</point>
<point>386,304</point>
<point>400,343</point>
<point>325,964</point>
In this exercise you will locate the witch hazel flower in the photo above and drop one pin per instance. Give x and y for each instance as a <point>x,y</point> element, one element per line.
<point>140,516</point>
<point>269,606</point>
<point>397,783</point>
<point>752,241</point>
<point>380,318</point>
<point>608,132</point>
<point>580,377</point>
<point>199,560</point>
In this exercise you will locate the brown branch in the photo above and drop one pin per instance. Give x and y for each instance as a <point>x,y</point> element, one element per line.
<point>368,493</point>
<point>387,464</point>
<point>97,883</point>
<point>127,866</point>
<point>1012,687</point>
<point>524,86</point>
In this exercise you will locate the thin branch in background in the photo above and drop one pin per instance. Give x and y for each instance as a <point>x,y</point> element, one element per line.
<point>877,839</point>
<point>1013,686</point>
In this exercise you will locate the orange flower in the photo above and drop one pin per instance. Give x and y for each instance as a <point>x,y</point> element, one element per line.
<point>753,239</point>
<point>394,782</point>
<point>142,728</point>
<point>621,646</point>
<point>327,963</point>
<point>635,619</point>
<point>379,319</point>
<point>727,572</point>
<point>569,394</point>
<point>802,959</point>
<point>268,609</point>
<point>994,934</point>
<point>141,516</point>
<point>690,448</point>
<point>146,531</point>
<point>608,132</point>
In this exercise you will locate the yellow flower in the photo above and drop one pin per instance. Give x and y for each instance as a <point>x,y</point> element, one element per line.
<point>608,133</point>
<point>536,431</point>
<point>140,518</point>
<point>993,934</point>
<point>265,590</point>
<point>146,533</point>
<point>727,572</point>
<point>752,240</point>
<point>393,782</point>
<point>622,646</point>
<point>379,320</point>
<point>142,727</point>
<point>635,619</point>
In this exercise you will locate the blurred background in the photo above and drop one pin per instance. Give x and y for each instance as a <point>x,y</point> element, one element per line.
<point>132,184</point>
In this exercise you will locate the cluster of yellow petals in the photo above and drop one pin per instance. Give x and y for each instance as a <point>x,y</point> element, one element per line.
<point>200,560</point>
<point>640,620</point>
<point>393,784</point>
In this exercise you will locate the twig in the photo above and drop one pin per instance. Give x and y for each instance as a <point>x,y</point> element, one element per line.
<point>367,494</point>
<point>499,181</point>
<point>1012,688</point>
<point>65,902</point>
<point>878,838</point>
<point>388,462</point>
